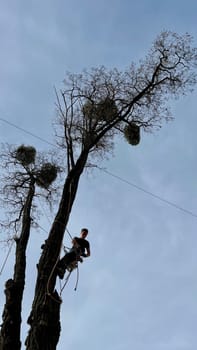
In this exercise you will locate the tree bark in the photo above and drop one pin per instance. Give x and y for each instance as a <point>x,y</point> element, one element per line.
<point>44,319</point>
<point>11,326</point>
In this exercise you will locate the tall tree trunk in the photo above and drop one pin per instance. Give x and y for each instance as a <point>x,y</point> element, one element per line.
<point>44,319</point>
<point>11,326</point>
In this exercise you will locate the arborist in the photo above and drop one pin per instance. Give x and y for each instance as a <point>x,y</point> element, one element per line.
<point>80,249</point>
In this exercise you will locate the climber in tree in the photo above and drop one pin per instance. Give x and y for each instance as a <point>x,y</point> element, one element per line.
<point>80,248</point>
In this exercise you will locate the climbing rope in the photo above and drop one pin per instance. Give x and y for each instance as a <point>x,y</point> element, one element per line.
<point>69,234</point>
<point>65,283</point>
<point>67,279</point>
<point>7,256</point>
<point>56,262</point>
<point>51,274</point>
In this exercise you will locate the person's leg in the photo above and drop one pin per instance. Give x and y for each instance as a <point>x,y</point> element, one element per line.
<point>67,259</point>
<point>64,262</point>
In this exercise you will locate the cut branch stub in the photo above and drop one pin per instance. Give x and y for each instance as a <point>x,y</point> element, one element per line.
<point>25,155</point>
<point>132,134</point>
<point>46,175</point>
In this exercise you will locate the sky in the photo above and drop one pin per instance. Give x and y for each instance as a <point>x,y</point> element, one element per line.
<point>138,289</point>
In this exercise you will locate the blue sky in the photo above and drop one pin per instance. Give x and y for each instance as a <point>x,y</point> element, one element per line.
<point>138,290</point>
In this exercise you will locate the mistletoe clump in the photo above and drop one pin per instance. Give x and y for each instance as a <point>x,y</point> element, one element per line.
<point>46,175</point>
<point>107,109</point>
<point>104,110</point>
<point>132,134</point>
<point>25,155</point>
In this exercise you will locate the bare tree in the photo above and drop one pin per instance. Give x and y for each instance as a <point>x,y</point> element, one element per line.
<point>92,108</point>
<point>22,174</point>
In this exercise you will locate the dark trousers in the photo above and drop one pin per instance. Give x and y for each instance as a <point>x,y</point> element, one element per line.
<point>68,258</point>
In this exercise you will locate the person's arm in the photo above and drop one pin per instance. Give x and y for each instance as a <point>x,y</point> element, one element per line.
<point>88,252</point>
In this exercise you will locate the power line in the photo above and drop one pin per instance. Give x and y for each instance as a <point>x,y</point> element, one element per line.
<point>149,193</point>
<point>186,211</point>
<point>27,132</point>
